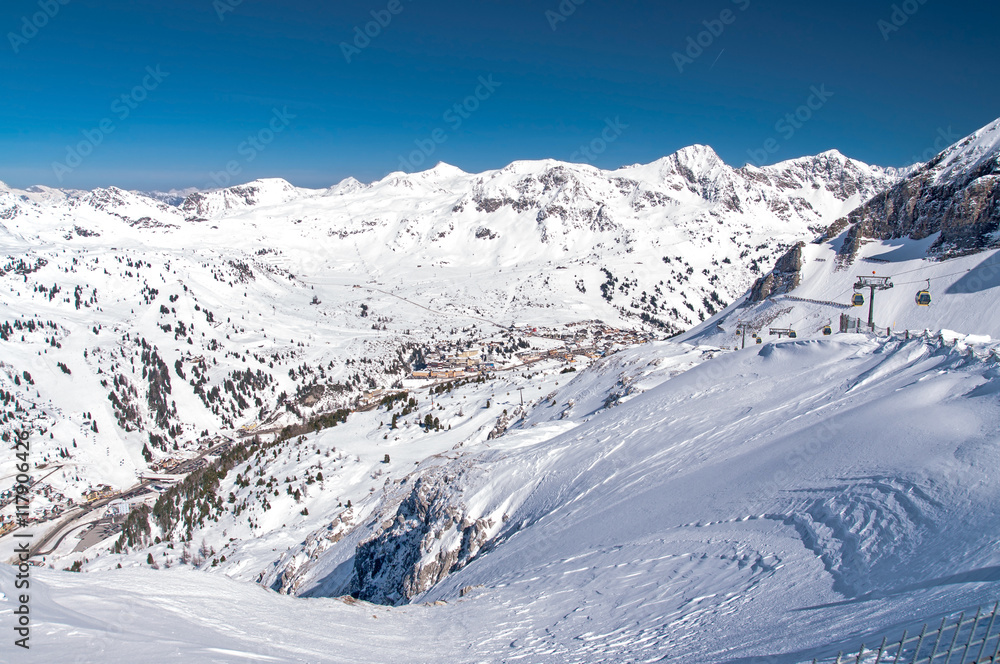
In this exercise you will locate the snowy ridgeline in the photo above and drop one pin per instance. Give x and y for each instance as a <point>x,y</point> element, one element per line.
<point>787,501</point>
<point>136,333</point>
<point>675,500</point>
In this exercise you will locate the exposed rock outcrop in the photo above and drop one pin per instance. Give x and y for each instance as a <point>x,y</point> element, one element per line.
<point>429,538</point>
<point>957,194</point>
<point>785,276</point>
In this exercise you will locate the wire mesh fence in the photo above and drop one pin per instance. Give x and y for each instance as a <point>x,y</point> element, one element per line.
<point>851,324</point>
<point>967,639</point>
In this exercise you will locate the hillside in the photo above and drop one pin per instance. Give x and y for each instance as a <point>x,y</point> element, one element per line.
<point>935,230</point>
<point>461,433</point>
<point>136,331</point>
<point>955,197</point>
<point>781,502</point>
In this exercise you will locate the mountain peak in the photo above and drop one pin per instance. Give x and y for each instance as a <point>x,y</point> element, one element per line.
<point>442,168</point>
<point>693,163</point>
<point>346,186</point>
<point>977,152</point>
<point>821,158</point>
<point>953,195</point>
<point>526,166</point>
<point>260,192</point>
<point>833,154</point>
<point>279,184</point>
<point>696,151</point>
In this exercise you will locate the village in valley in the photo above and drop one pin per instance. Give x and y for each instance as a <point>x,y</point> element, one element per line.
<point>101,510</point>
<point>586,340</point>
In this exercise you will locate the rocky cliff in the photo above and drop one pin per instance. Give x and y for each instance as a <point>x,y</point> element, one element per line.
<point>956,194</point>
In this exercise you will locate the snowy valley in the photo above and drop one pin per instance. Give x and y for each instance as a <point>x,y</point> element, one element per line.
<point>508,416</point>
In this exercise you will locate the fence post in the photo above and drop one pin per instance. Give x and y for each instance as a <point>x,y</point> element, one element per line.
<point>937,643</point>
<point>920,642</point>
<point>986,636</point>
<point>899,653</point>
<point>881,649</point>
<point>954,639</point>
<point>972,636</point>
<point>860,653</point>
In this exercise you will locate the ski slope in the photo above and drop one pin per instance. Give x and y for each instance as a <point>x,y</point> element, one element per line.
<point>963,292</point>
<point>673,501</point>
<point>781,502</point>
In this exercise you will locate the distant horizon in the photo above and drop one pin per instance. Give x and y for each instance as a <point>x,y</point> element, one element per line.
<point>368,181</point>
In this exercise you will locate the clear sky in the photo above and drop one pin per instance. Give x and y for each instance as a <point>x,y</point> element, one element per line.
<point>143,94</point>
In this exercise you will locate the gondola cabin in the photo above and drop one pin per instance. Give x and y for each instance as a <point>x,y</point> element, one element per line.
<point>792,335</point>
<point>827,331</point>
<point>858,300</point>
<point>923,298</point>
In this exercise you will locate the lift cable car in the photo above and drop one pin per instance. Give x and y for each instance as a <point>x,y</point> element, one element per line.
<point>827,330</point>
<point>858,300</point>
<point>923,298</point>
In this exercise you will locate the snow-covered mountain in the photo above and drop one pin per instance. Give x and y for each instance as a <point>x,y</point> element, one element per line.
<point>201,206</point>
<point>269,272</point>
<point>582,495</point>
<point>687,220</point>
<point>955,196</point>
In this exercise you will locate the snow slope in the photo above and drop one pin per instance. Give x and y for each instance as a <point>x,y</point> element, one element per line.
<point>374,272</point>
<point>781,502</point>
<point>681,501</point>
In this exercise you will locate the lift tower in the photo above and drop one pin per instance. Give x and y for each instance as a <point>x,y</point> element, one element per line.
<point>742,329</point>
<point>873,283</point>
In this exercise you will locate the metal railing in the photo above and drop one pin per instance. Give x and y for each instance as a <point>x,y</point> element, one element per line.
<point>965,640</point>
<point>828,303</point>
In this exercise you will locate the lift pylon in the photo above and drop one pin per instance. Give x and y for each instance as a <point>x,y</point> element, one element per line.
<point>742,328</point>
<point>872,283</point>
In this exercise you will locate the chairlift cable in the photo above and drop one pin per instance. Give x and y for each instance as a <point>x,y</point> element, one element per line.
<point>942,276</point>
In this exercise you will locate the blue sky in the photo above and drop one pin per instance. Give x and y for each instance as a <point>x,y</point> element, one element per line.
<point>150,95</point>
